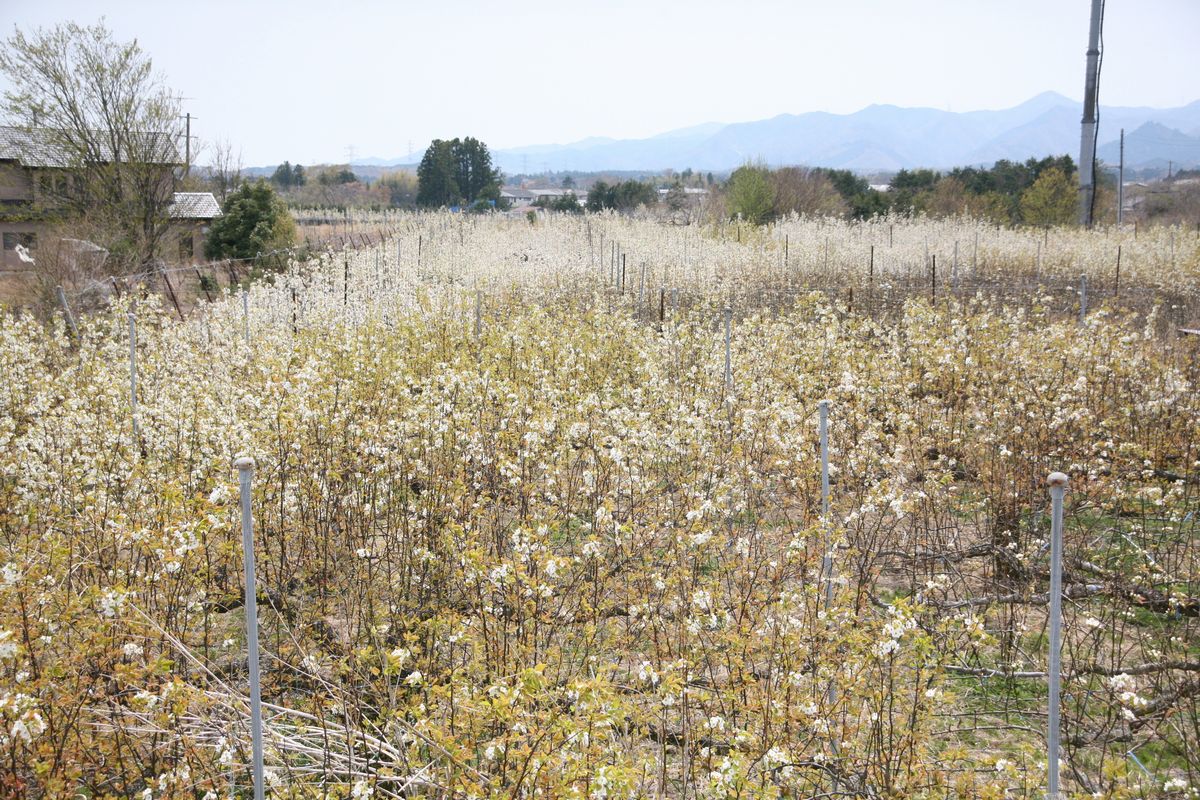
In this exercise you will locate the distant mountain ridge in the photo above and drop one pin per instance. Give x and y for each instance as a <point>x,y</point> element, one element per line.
<point>1154,145</point>
<point>876,138</point>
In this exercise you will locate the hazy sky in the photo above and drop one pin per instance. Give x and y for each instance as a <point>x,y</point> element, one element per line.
<point>305,80</point>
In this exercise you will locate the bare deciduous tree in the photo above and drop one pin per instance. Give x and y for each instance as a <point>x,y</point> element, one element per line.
<point>804,191</point>
<point>225,171</point>
<point>96,117</point>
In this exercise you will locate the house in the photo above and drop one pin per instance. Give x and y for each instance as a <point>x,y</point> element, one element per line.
<point>192,213</point>
<point>27,176</point>
<point>36,178</point>
<point>516,196</point>
<point>553,193</point>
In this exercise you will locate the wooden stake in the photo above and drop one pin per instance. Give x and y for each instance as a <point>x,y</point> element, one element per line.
<point>171,292</point>
<point>1117,282</point>
<point>203,286</point>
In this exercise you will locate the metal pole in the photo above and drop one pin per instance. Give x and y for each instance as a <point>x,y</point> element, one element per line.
<point>728,356</point>
<point>827,559</point>
<point>1121,183</point>
<point>1087,135</point>
<point>133,374</point>
<point>1117,281</point>
<point>1058,486</point>
<point>478,312</point>
<point>62,299</point>
<point>245,468</point>
<point>954,268</point>
<point>1082,297</point>
<point>245,316</point>
<point>871,274</point>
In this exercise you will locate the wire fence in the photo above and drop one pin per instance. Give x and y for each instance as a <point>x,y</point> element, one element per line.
<point>403,258</point>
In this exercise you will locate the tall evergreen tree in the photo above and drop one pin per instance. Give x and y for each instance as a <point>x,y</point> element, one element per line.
<point>283,177</point>
<point>456,171</point>
<point>477,179</point>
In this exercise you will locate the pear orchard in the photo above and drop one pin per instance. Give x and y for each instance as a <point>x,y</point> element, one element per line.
<point>521,532</point>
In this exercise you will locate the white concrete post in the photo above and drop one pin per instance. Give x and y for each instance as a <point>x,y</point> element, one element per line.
<point>827,559</point>
<point>728,353</point>
<point>478,312</point>
<point>246,316</point>
<point>1058,487</point>
<point>245,468</point>
<point>133,376</point>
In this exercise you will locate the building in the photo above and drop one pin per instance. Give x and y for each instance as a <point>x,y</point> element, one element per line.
<point>516,196</point>
<point>36,178</point>
<point>27,176</point>
<point>552,193</point>
<point>192,213</point>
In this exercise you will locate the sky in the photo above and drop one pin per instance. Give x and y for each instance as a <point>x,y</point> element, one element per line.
<point>316,82</point>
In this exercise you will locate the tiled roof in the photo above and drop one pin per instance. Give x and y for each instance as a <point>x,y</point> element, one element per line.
<point>19,144</point>
<point>194,205</point>
<point>36,147</point>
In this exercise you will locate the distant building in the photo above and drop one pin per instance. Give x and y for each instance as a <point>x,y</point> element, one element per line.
<point>517,197</point>
<point>192,212</point>
<point>520,197</point>
<point>552,193</point>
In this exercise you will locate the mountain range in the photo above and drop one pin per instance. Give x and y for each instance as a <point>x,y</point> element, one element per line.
<point>877,138</point>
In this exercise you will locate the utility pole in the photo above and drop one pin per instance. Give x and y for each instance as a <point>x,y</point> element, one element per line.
<point>1121,183</point>
<point>187,137</point>
<point>1087,137</point>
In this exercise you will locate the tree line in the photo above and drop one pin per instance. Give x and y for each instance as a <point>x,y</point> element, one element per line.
<point>1034,192</point>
